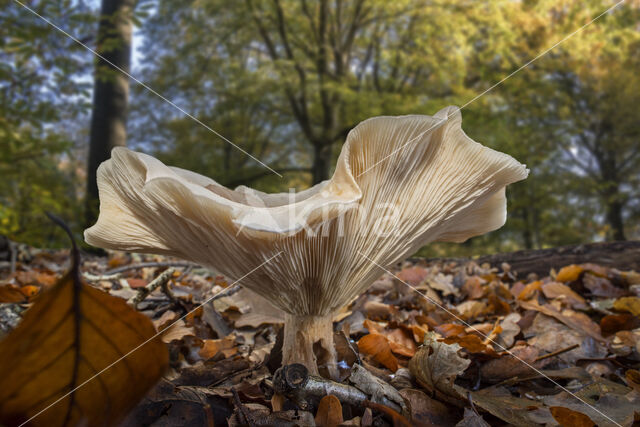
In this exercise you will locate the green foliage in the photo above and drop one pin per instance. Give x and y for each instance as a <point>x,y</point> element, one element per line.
<point>41,96</point>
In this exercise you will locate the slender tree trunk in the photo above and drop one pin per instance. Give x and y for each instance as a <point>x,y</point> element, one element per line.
<point>110,93</point>
<point>614,214</point>
<point>322,159</point>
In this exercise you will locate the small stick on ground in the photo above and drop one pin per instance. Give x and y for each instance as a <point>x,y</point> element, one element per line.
<point>151,264</point>
<point>100,277</point>
<point>555,353</point>
<point>161,280</point>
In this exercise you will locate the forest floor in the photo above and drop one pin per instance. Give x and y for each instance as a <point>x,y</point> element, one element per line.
<point>437,343</point>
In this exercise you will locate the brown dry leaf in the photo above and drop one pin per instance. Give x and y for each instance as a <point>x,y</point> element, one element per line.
<point>413,275</point>
<point>629,304</point>
<point>473,287</point>
<point>575,320</point>
<point>471,309</point>
<point>471,419</point>
<point>472,343</point>
<point>554,290</point>
<point>633,379</point>
<point>436,365</point>
<point>164,320</point>
<point>613,323</point>
<point>373,327</point>
<point>569,273</point>
<point>225,345</point>
<point>400,342</point>
<point>177,331</point>
<point>568,418</point>
<point>377,346</point>
<point>30,291</point>
<point>135,283</point>
<point>426,411</point>
<point>602,287</point>
<point>329,412</point>
<point>378,310</point>
<point>530,290</point>
<point>508,366</point>
<point>11,293</point>
<point>514,410</point>
<point>450,329</point>
<point>71,333</point>
<point>444,284</point>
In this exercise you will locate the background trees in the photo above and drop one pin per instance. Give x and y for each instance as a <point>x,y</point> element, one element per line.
<point>286,80</point>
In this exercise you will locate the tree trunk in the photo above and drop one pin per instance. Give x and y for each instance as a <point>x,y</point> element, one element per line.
<point>110,93</point>
<point>322,160</point>
<point>614,215</point>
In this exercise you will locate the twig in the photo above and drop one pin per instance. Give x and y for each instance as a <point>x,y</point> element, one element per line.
<point>555,353</point>
<point>161,280</point>
<point>243,415</point>
<point>151,264</point>
<point>100,277</point>
<point>295,382</point>
<point>227,292</point>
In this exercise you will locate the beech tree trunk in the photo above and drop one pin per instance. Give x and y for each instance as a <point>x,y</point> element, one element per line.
<point>110,93</point>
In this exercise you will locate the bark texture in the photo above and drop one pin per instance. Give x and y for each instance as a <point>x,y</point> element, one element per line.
<point>110,92</point>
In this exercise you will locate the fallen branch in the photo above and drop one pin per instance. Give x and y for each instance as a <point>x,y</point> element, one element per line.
<point>161,280</point>
<point>177,264</point>
<point>294,382</point>
<point>100,277</point>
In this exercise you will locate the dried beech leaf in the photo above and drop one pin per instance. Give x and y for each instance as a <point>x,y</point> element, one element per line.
<point>377,346</point>
<point>437,364</point>
<point>329,412</point>
<point>71,333</point>
<point>569,273</point>
<point>471,419</point>
<point>629,304</point>
<point>567,417</point>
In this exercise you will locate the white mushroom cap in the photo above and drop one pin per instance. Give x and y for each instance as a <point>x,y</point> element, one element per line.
<point>386,199</point>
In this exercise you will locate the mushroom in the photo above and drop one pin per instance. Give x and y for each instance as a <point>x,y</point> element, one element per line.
<point>400,183</point>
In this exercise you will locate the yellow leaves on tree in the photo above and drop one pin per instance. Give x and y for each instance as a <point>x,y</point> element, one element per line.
<point>72,333</point>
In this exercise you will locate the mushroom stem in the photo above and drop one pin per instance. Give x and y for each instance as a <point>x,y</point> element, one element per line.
<point>309,340</point>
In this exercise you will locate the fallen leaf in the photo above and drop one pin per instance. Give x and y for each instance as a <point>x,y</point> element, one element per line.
<point>553,290</point>
<point>471,309</point>
<point>426,411</point>
<point>400,342</point>
<point>443,284</point>
<point>569,273</point>
<point>377,346</point>
<point>473,287</point>
<point>177,331</point>
<point>530,290</point>
<point>508,366</point>
<point>577,321</point>
<point>413,275</point>
<point>225,345</point>
<point>329,412</point>
<point>136,283</point>
<point>629,304</point>
<point>633,379</point>
<point>450,329</point>
<point>568,418</point>
<point>471,342</point>
<point>436,365</point>
<point>471,419</point>
<point>602,287</point>
<point>514,410</point>
<point>613,323</point>
<point>11,293</point>
<point>70,334</point>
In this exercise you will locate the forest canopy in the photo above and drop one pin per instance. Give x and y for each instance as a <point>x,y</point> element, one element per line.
<point>286,81</point>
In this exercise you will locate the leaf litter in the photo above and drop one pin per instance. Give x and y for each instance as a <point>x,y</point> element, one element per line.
<point>403,359</point>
